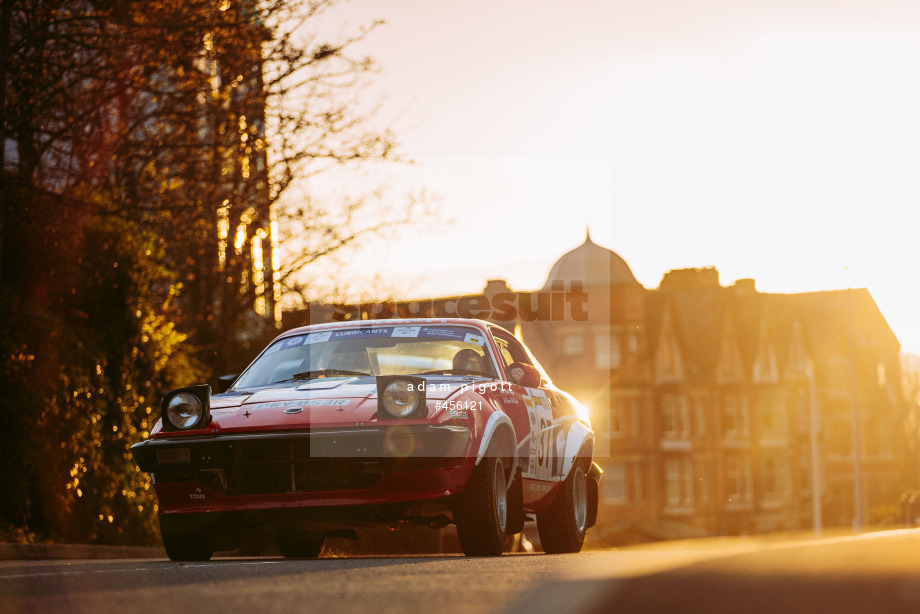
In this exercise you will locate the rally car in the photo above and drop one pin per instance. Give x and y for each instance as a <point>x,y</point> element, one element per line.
<point>341,426</point>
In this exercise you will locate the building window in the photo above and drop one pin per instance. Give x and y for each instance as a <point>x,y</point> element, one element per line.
<point>622,483</point>
<point>615,489</point>
<point>624,416</point>
<point>774,472</point>
<point>734,416</point>
<point>886,431</point>
<point>838,436</point>
<point>668,416</point>
<point>634,416</point>
<point>683,414</point>
<point>668,364</point>
<point>679,482</point>
<point>675,416</point>
<point>633,341</point>
<point>607,351</point>
<point>618,417</point>
<point>767,419</point>
<point>703,480</point>
<point>870,433</point>
<point>699,404</point>
<point>806,475</point>
<point>638,491</point>
<point>773,422</point>
<point>737,479</point>
<point>573,344</point>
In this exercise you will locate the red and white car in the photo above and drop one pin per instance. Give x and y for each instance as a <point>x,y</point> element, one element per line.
<point>375,423</point>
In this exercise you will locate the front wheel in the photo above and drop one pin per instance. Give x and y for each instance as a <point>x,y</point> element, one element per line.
<point>563,525</point>
<point>188,537</point>
<point>481,512</point>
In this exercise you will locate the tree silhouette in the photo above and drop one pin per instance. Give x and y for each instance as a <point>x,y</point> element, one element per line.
<point>149,146</point>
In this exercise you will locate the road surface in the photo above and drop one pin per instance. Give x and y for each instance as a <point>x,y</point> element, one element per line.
<point>877,572</point>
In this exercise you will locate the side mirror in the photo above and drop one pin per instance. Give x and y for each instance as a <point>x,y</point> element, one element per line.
<point>225,381</point>
<point>524,374</point>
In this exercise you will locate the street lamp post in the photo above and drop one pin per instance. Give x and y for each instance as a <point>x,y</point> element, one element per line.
<point>858,519</point>
<point>814,424</point>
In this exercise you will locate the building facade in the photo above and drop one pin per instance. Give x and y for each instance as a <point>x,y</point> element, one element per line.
<point>717,407</point>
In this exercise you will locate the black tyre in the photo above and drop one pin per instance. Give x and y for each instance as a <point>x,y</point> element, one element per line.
<point>188,537</point>
<point>563,525</point>
<point>300,543</point>
<point>481,511</point>
<point>516,516</point>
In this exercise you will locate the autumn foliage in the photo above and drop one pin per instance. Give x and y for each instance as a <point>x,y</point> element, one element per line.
<point>147,147</point>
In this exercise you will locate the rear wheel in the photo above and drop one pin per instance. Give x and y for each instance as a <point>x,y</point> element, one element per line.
<point>300,543</point>
<point>188,537</point>
<point>563,525</point>
<point>481,512</point>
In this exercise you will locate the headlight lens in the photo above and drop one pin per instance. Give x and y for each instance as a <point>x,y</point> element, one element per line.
<point>184,410</point>
<point>400,398</point>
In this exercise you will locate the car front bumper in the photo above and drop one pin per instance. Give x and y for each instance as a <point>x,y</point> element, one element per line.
<point>317,468</point>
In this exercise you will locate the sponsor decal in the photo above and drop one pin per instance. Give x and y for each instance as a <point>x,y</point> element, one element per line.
<point>318,337</point>
<point>471,338</point>
<point>509,399</point>
<point>406,331</point>
<point>430,332</point>
<point>541,436</point>
<point>361,332</point>
<point>295,405</point>
<point>276,405</point>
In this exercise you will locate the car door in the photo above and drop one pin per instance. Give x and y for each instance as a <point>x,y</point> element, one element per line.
<point>532,414</point>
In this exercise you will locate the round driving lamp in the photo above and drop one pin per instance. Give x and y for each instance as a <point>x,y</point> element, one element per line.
<point>400,398</point>
<point>184,410</point>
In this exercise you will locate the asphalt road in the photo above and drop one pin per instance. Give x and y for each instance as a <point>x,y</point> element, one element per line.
<point>876,573</point>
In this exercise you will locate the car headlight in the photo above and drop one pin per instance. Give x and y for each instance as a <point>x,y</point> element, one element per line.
<point>400,397</point>
<point>186,408</point>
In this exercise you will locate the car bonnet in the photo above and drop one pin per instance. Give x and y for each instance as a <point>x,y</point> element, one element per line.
<point>324,402</point>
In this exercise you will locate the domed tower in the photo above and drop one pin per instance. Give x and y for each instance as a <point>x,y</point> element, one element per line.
<point>600,337</point>
<point>593,266</point>
<point>615,299</point>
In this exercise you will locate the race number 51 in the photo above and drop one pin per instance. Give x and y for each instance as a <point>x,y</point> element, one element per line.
<point>541,439</point>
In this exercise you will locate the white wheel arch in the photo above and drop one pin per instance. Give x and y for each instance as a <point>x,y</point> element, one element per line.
<point>498,423</point>
<point>579,437</point>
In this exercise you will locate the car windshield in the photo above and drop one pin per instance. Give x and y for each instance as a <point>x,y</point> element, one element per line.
<point>380,350</point>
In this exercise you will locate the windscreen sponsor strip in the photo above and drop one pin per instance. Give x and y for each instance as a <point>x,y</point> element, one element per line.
<point>395,332</point>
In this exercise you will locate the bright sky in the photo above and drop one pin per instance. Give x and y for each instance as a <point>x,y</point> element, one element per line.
<point>775,139</point>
